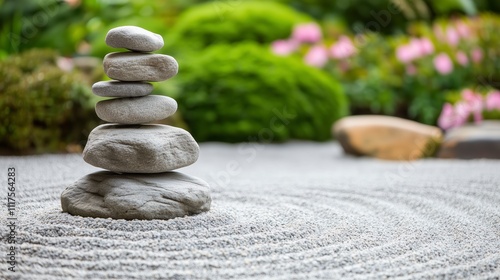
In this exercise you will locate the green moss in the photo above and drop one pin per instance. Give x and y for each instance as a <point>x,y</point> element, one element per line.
<point>245,93</point>
<point>42,108</point>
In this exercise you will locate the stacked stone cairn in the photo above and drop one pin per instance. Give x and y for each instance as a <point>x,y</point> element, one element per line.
<point>140,156</point>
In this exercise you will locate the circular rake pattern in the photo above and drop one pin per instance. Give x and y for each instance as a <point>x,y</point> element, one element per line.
<point>311,223</point>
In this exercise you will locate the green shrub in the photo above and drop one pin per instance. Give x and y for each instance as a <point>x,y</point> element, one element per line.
<point>233,21</point>
<point>243,92</point>
<point>42,108</point>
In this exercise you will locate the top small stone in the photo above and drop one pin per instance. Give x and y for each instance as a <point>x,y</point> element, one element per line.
<point>134,38</point>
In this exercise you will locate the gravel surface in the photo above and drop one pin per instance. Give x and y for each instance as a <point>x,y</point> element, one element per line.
<point>292,211</point>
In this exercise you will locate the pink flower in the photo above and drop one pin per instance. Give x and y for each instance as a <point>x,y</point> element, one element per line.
<point>474,102</point>
<point>416,49</point>
<point>443,64</point>
<point>454,116</point>
<point>426,46</point>
<point>317,56</point>
<point>462,58</point>
<point>463,29</point>
<point>411,70</point>
<point>493,100</point>
<point>404,54</point>
<point>307,33</point>
<point>462,113</point>
<point>469,95</point>
<point>452,36</point>
<point>343,48</point>
<point>447,118</point>
<point>408,53</point>
<point>284,47</point>
<point>477,55</point>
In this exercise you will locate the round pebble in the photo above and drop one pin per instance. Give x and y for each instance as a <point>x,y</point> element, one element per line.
<point>134,38</point>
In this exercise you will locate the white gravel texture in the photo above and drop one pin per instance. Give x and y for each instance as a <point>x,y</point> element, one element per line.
<point>299,210</point>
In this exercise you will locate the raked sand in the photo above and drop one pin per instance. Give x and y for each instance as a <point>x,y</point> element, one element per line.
<point>293,211</point>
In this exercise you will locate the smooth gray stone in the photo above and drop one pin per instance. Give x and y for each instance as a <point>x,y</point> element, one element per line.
<point>121,89</point>
<point>151,148</point>
<point>134,38</point>
<point>136,196</point>
<point>134,67</point>
<point>136,110</point>
<point>472,141</point>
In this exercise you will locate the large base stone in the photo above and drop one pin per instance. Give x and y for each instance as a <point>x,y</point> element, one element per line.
<point>136,196</point>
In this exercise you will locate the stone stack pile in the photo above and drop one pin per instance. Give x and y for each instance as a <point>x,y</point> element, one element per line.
<point>138,155</point>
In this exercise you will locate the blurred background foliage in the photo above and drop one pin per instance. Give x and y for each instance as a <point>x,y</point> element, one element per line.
<point>207,24</point>
<point>245,91</point>
<point>42,107</point>
<point>230,82</point>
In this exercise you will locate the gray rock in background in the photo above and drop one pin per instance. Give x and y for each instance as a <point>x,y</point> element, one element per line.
<point>152,148</point>
<point>136,110</point>
<point>472,141</point>
<point>121,89</point>
<point>133,67</point>
<point>134,38</point>
<point>136,196</point>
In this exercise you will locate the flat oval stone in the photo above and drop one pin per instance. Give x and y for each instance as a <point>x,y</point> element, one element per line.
<point>134,38</point>
<point>121,89</point>
<point>136,110</point>
<point>134,67</point>
<point>136,196</point>
<point>472,141</point>
<point>151,148</point>
<point>387,137</point>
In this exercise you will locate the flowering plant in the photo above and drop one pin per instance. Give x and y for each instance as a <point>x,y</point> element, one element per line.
<point>308,40</point>
<point>363,75</point>
<point>400,75</point>
<point>472,105</point>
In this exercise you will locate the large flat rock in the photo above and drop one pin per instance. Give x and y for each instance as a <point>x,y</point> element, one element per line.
<point>386,137</point>
<point>136,196</point>
<point>134,67</point>
<point>140,148</point>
